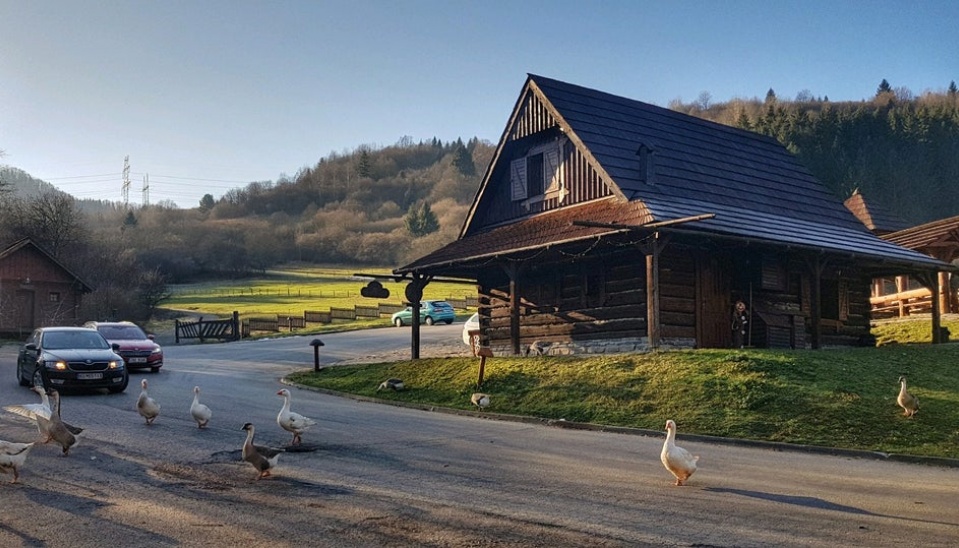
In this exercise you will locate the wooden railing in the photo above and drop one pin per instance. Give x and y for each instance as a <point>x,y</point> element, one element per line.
<point>904,303</point>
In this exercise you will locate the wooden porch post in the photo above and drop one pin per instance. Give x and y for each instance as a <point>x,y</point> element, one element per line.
<point>943,292</point>
<point>930,280</point>
<point>900,287</point>
<point>653,325</point>
<point>815,303</point>
<point>936,309</point>
<point>512,270</point>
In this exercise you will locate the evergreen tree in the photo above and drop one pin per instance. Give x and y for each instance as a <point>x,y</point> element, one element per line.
<point>207,202</point>
<point>884,87</point>
<point>421,220</point>
<point>130,221</point>
<point>364,169</point>
<point>463,161</point>
<point>770,96</point>
<point>952,89</point>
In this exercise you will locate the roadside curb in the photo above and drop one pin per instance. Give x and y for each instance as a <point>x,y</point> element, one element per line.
<point>699,438</point>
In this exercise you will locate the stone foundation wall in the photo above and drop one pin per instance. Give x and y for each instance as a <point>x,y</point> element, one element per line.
<point>598,346</point>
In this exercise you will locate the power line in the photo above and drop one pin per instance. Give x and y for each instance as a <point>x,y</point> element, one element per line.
<point>48,179</point>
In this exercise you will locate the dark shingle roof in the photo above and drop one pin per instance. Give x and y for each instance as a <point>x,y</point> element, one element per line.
<point>941,235</point>
<point>694,158</point>
<point>552,228</point>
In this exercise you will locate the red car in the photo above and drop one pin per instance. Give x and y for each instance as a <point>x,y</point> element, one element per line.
<point>136,347</point>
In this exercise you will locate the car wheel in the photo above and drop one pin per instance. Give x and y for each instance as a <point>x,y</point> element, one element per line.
<point>121,388</point>
<point>398,322</point>
<point>449,322</point>
<point>154,370</point>
<point>429,320</point>
<point>23,382</point>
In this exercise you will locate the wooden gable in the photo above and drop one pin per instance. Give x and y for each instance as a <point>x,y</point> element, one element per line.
<point>538,168</point>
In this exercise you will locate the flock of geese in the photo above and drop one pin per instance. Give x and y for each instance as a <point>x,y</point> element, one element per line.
<point>51,427</point>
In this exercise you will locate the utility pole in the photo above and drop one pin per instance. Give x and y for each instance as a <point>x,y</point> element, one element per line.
<point>146,189</point>
<point>125,188</point>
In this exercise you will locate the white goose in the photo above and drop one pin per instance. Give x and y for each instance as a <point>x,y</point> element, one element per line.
<point>201,413</point>
<point>290,421</point>
<point>480,400</point>
<point>38,412</point>
<point>12,457</point>
<point>148,408</point>
<point>908,402</point>
<point>49,425</point>
<point>262,458</point>
<point>392,384</point>
<point>680,462</point>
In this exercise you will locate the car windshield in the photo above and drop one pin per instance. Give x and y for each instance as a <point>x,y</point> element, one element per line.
<point>121,332</point>
<point>59,340</point>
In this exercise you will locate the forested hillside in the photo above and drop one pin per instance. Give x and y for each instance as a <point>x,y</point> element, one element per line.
<point>899,150</point>
<point>370,206</point>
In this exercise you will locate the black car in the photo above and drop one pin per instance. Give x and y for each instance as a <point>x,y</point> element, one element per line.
<point>71,357</point>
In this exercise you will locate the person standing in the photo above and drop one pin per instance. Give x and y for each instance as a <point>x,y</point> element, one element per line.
<point>740,321</point>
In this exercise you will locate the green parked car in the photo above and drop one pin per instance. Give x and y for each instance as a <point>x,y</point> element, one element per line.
<point>430,313</point>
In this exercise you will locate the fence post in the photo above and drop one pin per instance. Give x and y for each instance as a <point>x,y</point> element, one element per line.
<point>237,334</point>
<point>176,330</point>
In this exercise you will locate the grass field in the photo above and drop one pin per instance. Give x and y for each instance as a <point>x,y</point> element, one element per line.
<point>291,291</point>
<point>834,398</point>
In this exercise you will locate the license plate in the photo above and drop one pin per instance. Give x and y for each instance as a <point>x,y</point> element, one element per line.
<point>89,376</point>
<point>137,360</point>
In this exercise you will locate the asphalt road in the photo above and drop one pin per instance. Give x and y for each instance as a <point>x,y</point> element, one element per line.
<point>380,475</point>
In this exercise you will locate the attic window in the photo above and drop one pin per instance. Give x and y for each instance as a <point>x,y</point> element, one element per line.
<point>539,174</point>
<point>646,164</point>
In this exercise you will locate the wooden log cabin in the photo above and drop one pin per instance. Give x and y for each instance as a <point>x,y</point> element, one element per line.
<point>607,224</point>
<point>905,295</point>
<point>36,290</point>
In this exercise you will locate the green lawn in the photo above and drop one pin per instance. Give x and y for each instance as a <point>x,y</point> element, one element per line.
<point>291,291</point>
<point>835,398</point>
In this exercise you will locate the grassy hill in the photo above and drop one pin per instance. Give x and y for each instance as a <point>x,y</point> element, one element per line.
<point>836,398</point>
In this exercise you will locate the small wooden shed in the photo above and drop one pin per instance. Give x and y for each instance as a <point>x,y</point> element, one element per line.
<point>36,290</point>
<point>608,224</point>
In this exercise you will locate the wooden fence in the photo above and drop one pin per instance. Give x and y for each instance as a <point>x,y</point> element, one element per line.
<point>234,329</point>
<point>224,330</point>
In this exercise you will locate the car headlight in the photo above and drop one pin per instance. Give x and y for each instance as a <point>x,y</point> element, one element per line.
<point>157,350</point>
<point>59,365</point>
<point>114,364</point>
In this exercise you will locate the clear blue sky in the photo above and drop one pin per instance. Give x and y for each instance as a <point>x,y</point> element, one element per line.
<point>208,95</point>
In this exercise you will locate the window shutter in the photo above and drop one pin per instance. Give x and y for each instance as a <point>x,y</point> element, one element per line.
<point>553,173</point>
<point>517,177</point>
